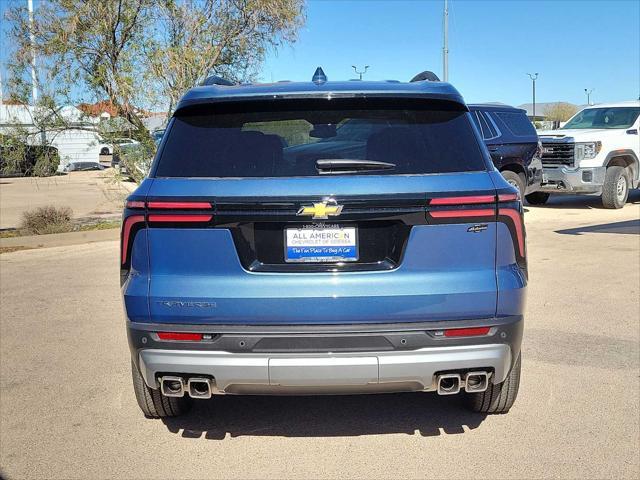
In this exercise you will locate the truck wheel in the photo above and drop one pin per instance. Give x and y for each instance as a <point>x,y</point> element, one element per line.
<point>497,398</point>
<point>537,198</point>
<point>152,403</point>
<point>616,187</point>
<point>515,179</point>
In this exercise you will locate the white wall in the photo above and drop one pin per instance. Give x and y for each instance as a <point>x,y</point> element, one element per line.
<point>75,145</point>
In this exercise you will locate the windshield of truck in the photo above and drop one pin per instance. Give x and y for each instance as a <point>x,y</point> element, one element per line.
<point>613,117</point>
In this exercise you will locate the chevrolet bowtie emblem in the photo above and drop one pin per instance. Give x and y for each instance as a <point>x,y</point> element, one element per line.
<point>322,210</point>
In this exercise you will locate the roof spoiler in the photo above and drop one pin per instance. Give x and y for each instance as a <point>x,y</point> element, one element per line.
<point>216,80</point>
<point>426,75</point>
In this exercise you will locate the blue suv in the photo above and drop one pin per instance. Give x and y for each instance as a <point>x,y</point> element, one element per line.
<point>323,238</point>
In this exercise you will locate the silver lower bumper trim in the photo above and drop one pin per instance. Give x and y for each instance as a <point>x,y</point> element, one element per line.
<point>325,373</point>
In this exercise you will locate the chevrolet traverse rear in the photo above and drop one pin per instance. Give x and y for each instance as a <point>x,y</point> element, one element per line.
<point>323,238</point>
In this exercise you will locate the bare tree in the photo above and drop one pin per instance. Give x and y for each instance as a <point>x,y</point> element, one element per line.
<point>560,112</point>
<point>196,38</point>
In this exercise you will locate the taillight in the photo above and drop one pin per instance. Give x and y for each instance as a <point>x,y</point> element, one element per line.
<point>483,212</point>
<point>180,205</point>
<point>127,227</point>
<point>468,200</point>
<point>129,224</point>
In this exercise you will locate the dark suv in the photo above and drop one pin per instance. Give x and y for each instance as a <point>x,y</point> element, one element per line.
<point>513,144</point>
<point>275,248</point>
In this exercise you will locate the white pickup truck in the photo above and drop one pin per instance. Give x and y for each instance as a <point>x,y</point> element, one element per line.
<point>596,152</point>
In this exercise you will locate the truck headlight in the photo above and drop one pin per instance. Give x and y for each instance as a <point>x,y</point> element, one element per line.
<point>585,151</point>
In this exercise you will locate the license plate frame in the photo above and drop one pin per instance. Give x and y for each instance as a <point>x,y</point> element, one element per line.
<point>343,250</point>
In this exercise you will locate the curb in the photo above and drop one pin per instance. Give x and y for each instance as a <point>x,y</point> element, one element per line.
<point>60,239</point>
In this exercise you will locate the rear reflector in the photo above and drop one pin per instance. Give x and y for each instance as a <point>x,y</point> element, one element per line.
<point>467,332</point>
<point>180,336</point>
<point>463,200</point>
<point>181,205</point>
<point>180,218</point>
<point>483,212</point>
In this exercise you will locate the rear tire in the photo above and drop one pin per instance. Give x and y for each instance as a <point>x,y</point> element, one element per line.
<point>515,179</point>
<point>537,198</point>
<point>152,403</point>
<point>497,398</point>
<point>615,190</point>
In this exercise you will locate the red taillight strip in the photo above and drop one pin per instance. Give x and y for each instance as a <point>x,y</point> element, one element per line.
<point>135,204</point>
<point>467,332</point>
<point>463,200</point>
<point>484,212</point>
<point>507,197</point>
<point>181,205</point>
<point>180,336</point>
<point>129,222</point>
<point>180,218</point>
<point>517,222</point>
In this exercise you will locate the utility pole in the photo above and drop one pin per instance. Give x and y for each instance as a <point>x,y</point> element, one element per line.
<point>366,67</point>
<point>32,38</point>
<point>534,77</point>
<point>445,43</point>
<point>588,93</point>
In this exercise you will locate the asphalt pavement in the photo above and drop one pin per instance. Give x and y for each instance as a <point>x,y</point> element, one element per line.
<point>67,408</point>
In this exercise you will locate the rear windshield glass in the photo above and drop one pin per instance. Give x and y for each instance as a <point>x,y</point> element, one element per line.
<point>518,123</point>
<point>264,141</point>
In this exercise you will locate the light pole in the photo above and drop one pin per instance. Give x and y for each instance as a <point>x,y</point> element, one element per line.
<point>445,42</point>
<point>588,94</point>
<point>366,67</point>
<point>534,77</point>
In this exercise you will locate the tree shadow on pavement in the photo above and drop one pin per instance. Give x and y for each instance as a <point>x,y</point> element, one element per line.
<point>426,414</point>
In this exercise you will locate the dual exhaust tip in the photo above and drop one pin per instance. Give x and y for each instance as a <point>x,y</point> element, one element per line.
<point>473,382</point>
<point>195,387</point>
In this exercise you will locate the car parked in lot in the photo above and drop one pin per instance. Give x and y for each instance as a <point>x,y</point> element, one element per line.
<point>513,144</point>
<point>107,147</point>
<point>595,152</point>
<point>250,265</point>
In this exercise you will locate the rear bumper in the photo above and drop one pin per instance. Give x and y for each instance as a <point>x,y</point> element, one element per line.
<point>326,373</point>
<point>327,359</point>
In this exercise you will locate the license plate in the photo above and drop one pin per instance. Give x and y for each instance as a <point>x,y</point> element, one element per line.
<point>320,245</point>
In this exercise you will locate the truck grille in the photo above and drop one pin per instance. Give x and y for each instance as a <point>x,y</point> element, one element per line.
<point>556,154</point>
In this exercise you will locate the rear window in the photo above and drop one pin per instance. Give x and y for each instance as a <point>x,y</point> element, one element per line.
<point>261,140</point>
<point>518,123</point>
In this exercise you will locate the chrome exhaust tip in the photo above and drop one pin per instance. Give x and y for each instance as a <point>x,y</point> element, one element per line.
<point>476,382</point>
<point>200,387</point>
<point>172,386</point>
<point>448,384</point>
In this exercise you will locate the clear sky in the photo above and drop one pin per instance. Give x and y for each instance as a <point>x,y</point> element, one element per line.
<point>572,44</point>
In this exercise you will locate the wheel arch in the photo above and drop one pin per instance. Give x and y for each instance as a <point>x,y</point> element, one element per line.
<point>514,167</point>
<point>626,159</point>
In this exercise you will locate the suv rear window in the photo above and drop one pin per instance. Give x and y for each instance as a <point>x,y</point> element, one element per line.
<point>262,140</point>
<point>518,123</point>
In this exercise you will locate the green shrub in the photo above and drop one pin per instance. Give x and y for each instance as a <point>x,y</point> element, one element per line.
<point>49,219</point>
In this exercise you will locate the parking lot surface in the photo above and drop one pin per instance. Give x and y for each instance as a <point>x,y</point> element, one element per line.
<point>67,408</point>
<point>91,195</point>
